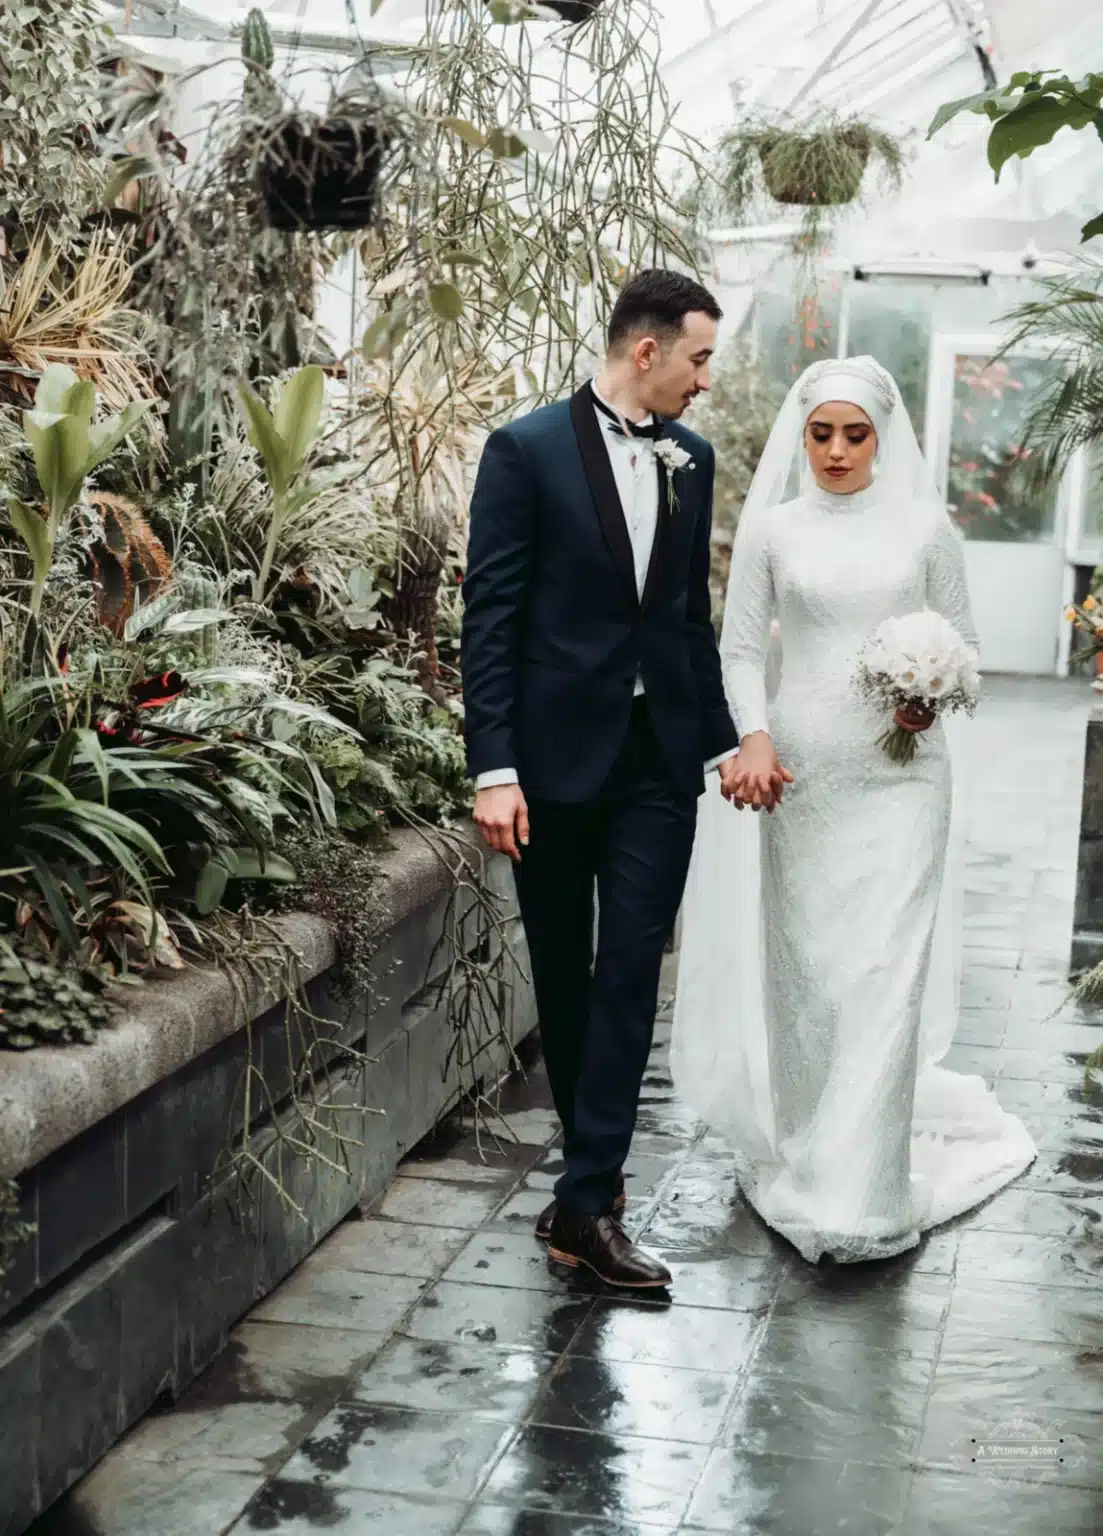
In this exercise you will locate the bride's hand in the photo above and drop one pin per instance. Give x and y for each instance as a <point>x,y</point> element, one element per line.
<point>914,717</point>
<point>755,777</point>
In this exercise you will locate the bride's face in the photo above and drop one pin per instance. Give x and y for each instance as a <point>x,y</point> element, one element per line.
<point>840,443</point>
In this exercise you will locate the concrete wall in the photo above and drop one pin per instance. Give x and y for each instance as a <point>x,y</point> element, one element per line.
<point>142,1261</point>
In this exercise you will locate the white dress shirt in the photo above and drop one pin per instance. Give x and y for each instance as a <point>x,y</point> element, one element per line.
<point>636,473</point>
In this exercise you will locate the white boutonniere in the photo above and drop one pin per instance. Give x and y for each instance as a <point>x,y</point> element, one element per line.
<point>673,457</point>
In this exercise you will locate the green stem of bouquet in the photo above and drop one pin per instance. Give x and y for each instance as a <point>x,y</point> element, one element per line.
<point>898,744</point>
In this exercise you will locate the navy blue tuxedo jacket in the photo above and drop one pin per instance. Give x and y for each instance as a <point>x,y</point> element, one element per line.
<point>554,633</point>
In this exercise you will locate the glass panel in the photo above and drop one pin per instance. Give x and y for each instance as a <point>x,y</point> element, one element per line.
<point>985,493</point>
<point>893,324</point>
<point>792,331</point>
<point>1091,525</point>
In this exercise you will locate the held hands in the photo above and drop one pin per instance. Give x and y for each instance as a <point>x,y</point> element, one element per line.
<point>754,776</point>
<point>502,817</point>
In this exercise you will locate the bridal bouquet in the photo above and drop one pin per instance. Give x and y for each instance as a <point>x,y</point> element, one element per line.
<point>918,660</point>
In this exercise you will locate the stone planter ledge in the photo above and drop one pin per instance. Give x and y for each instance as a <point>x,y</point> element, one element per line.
<point>50,1094</point>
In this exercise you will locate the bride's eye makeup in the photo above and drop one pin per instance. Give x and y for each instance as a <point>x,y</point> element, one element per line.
<point>821,432</point>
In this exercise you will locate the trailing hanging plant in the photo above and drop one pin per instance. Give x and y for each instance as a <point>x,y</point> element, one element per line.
<point>815,166</point>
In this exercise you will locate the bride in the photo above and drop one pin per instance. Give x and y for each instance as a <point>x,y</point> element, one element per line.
<point>818,980</point>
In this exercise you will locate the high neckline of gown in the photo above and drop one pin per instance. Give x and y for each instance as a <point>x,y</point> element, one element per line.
<point>847,501</point>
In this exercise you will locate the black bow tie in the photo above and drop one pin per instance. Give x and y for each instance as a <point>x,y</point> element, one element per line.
<point>653,429</point>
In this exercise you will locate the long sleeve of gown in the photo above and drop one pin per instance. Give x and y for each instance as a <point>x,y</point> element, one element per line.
<point>746,632</point>
<point>947,588</point>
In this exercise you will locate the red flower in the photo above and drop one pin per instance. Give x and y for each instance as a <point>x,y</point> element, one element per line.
<point>152,692</point>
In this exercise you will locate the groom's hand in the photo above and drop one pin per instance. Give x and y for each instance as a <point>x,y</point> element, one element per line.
<point>502,816</point>
<point>756,777</point>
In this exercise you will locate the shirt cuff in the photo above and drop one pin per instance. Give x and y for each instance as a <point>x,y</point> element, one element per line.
<point>497,777</point>
<point>714,762</point>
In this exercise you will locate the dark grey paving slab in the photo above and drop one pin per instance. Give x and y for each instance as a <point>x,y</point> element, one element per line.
<point>941,1505</point>
<point>125,1496</point>
<point>694,1338</point>
<point>290,1361</point>
<point>439,1202</point>
<point>616,1478</point>
<point>520,1318</point>
<point>494,1520</point>
<point>304,1509</point>
<point>656,1402</point>
<point>869,1410</point>
<point>381,1247</point>
<point>340,1298</point>
<point>489,1383</point>
<point>382,1449</point>
<point>743,1491</point>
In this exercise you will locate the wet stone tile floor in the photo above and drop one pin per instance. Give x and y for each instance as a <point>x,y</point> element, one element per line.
<point>425,1373</point>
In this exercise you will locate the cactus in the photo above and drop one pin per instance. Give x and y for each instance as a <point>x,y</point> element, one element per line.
<point>129,564</point>
<point>256,41</point>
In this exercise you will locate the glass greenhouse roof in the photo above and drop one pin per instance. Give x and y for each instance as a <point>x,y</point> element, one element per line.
<point>892,61</point>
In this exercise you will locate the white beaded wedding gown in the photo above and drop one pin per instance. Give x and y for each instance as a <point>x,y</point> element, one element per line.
<point>818,975</point>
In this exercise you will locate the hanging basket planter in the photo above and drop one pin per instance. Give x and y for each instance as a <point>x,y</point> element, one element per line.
<point>824,171</point>
<point>573,11</point>
<point>322,174</point>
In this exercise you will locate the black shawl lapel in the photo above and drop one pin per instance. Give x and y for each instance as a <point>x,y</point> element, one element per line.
<point>603,487</point>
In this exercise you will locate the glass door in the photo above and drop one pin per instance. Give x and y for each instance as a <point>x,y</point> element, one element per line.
<point>1014,535</point>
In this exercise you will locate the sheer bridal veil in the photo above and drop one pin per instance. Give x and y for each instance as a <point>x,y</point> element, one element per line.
<point>720,1053</point>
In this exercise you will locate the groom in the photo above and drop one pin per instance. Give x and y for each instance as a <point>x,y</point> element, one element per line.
<point>594,704</point>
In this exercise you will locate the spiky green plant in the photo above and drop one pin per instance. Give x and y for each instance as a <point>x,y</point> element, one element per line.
<point>1066,414</point>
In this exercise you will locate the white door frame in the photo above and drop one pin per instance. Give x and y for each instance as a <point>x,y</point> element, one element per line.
<point>988,343</point>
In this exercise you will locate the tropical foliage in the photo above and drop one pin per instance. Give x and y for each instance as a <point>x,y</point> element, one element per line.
<point>229,556</point>
<point>1030,111</point>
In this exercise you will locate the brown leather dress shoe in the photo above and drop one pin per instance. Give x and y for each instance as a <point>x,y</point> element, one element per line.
<point>547,1215</point>
<point>599,1244</point>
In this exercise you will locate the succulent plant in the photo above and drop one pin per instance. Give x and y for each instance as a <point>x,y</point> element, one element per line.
<point>42,1003</point>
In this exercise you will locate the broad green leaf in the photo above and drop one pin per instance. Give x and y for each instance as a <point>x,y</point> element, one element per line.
<point>466,131</point>
<point>195,618</point>
<point>53,387</point>
<point>446,300</point>
<point>129,168</point>
<point>261,432</point>
<point>105,436</point>
<point>1092,228</point>
<point>210,886</point>
<point>80,401</point>
<point>327,804</point>
<point>249,865</point>
<point>34,532</point>
<point>387,330</point>
<point>147,615</point>
<point>462,259</point>
<point>298,413</point>
<point>1031,125</point>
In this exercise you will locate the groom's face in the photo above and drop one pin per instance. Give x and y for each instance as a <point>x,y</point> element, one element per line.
<point>675,370</point>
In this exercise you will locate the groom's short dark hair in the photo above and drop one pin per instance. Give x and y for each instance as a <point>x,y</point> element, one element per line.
<point>655,303</point>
